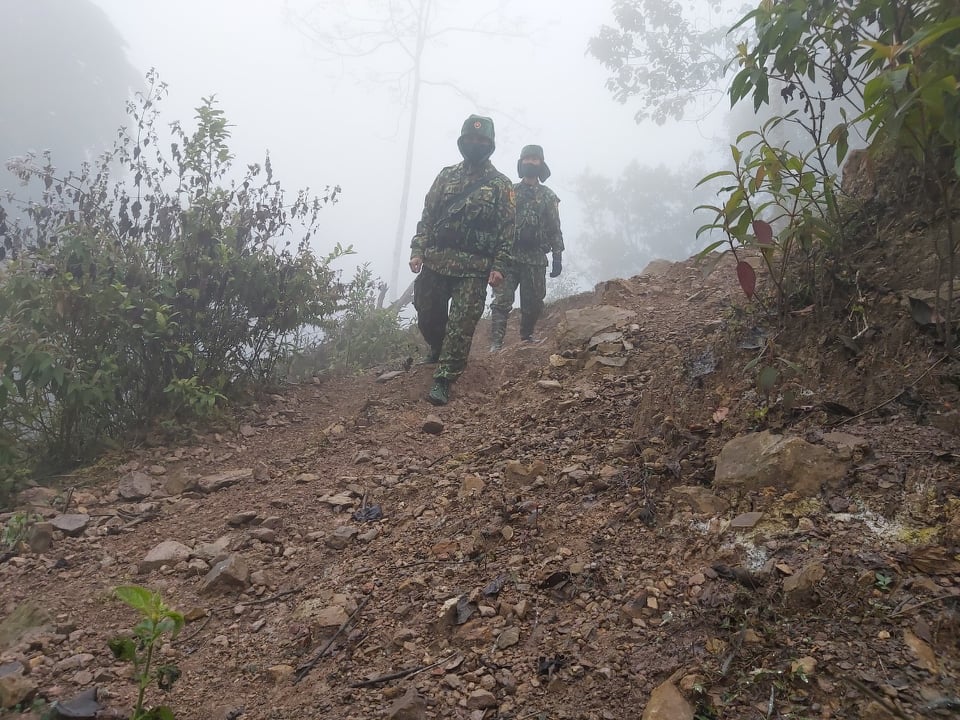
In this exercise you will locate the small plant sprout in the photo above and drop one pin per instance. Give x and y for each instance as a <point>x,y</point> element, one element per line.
<point>157,622</point>
<point>17,529</point>
<point>883,581</point>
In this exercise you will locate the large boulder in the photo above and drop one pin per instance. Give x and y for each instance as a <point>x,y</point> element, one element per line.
<point>750,462</point>
<point>580,325</point>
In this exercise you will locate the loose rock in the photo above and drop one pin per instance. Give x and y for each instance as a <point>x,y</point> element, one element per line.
<point>169,552</point>
<point>227,575</point>
<point>433,425</point>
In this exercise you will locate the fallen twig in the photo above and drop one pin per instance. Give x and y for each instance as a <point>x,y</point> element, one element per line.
<point>930,601</point>
<point>183,638</point>
<point>876,697</point>
<point>400,674</point>
<point>66,501</point>
<point>737,642</point>
<point>890,400</point>
<point>304,669</point>
<point>431,562</point>
<point>262,601</point>
<point>437,459</point>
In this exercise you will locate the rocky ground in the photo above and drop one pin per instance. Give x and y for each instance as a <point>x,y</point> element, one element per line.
<point>624,520</point>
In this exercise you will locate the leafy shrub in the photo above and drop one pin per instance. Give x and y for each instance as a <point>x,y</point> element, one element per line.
<point>364,334</point>
<point>156,293</point>
<point>893,66</point>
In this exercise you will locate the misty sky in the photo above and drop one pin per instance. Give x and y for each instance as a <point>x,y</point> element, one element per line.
<point>326,121</point>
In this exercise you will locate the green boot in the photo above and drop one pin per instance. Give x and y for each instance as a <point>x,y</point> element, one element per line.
<point>440,392</point>
<point>498,329</point>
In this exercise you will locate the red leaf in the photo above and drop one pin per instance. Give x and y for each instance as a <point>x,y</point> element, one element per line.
<point>763,231</point>
<point>747,278</point>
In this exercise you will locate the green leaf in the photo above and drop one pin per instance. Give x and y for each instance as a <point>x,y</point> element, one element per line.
<point>926,36</point>
<point>882,50</point>
<point>753,363</point>
<point>161,712</point>
<point>139,598</point>
<point>714,176</point>
<point>710,226</point>
<point>737,154</point>
<point>709,249</point>
<point>123,648</point>
<point>767,379</point>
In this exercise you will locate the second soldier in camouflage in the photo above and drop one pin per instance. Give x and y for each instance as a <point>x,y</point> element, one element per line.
<point>537,233</point>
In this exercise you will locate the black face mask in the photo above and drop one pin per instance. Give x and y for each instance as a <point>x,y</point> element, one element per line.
<point>529,170</point>
<point>475,152</point>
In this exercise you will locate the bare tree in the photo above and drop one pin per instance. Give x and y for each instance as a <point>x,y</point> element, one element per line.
<point>373,29</point>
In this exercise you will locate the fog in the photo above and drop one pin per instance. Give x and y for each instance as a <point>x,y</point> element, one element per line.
<point>328,120</point>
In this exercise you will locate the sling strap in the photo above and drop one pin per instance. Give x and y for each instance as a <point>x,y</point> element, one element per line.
<point>466,192</point>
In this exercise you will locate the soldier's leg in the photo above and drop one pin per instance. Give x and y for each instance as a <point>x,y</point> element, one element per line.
<point>500,308</point>
<point>431,296</point>
<point>533,289</point>
<point>468,297</point>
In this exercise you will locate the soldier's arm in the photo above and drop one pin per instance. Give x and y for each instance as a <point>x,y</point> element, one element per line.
<point>427,219</point>
<point>553,232</point>
<point>506,226</point>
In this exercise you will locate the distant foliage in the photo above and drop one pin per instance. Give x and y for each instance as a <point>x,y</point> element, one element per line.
<point>658,52</point>
<point>149,285</point>
<point>363,333</point>
<point>643,215</point>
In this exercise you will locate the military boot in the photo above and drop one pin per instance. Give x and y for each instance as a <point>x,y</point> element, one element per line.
<point>498,329</point>
<point>440,392</point>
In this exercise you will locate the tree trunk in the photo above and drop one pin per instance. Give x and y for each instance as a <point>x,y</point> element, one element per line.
<point>422,24</point>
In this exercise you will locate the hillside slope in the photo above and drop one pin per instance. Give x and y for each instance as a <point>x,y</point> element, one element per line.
<point>605,516</point>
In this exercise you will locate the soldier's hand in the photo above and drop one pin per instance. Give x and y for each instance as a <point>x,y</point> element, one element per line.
<point>416,265</point>
<point>557,265</point>
<point>495,278</point>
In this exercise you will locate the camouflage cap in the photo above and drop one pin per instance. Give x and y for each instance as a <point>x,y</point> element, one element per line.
<point>537,152</point>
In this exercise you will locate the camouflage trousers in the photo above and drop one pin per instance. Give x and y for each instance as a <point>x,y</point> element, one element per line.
<point>532,281</point>
<point>448,310</point>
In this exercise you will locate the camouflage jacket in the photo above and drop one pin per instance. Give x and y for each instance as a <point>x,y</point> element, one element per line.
<point>538,224</point>
<point>472,235</point>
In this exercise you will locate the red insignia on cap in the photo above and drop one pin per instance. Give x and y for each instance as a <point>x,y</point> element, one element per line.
<point>477,124</point>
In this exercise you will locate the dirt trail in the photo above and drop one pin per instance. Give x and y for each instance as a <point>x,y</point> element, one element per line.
<point>558,550</point>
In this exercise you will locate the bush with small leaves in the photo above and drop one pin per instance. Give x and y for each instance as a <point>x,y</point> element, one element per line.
<point>363,333</point>
<point>892,69</point>
<point>149,285</point>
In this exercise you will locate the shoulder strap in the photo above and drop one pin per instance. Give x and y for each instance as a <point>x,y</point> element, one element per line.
<point>467,191</point>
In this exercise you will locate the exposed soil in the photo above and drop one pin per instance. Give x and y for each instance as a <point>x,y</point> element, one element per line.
<point>547,507</point>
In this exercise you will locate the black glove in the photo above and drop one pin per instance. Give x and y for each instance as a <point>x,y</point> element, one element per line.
<point>557,265</point>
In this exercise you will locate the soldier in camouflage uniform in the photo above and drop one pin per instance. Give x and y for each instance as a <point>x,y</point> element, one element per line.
<point>538,232</point>
<point>462,244</point>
